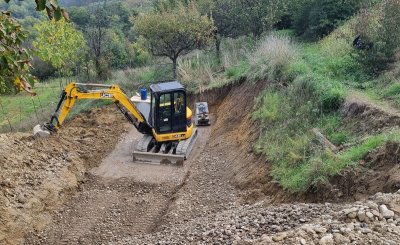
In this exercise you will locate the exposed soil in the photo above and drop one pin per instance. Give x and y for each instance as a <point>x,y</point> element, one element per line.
<point>118,198</point>
<point>379,172</point>
<point>38,176</point>
<point>365,117</point>
<point>82,187</point>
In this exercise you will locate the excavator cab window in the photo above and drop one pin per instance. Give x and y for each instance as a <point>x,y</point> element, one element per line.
<point>179,118</point>
<point>164,114</point>
<point>168,108</point>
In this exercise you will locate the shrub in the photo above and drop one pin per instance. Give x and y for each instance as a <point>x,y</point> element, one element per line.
<point>42,70</point>
<point>271,59</point>
<point>269,107</point>
<point>317,18</point>
<point>238,71</point>
<point>379,27</point>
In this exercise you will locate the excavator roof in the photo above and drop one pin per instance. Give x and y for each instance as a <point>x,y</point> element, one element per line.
<point>166,86</point>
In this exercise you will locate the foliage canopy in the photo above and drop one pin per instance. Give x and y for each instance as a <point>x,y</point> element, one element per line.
<point>59,43</point>
<point>172,33</point>
<point>14,59</point>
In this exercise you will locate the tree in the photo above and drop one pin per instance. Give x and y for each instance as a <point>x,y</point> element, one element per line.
<point>260,15</point>
<point>96,34</point>
<point>14,59</point>
<point>80,16</point>
<point>314,19</point>
<point>176,32</point>
<point>227,18</point>
<point>378,30</point>
<point>59,43</point>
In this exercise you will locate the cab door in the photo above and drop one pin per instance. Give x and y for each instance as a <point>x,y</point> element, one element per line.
<point>165,112</point>
<point>179,111</point>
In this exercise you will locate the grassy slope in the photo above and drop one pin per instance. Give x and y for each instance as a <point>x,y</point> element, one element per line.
<point>321,75</point>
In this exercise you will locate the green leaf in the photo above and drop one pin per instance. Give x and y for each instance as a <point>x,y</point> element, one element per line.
<point>3,63</point>
<point>40,5</point>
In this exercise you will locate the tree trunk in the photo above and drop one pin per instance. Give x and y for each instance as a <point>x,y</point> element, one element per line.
<point>174,65</point>
<point>218,48</point>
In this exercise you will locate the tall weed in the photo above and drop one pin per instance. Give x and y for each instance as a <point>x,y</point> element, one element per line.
<point>271,59</point>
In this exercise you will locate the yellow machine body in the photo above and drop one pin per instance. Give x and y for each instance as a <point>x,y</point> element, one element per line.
<point>72,93</point>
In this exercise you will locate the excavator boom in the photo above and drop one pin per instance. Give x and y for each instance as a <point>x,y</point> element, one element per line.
<point>78,91</point>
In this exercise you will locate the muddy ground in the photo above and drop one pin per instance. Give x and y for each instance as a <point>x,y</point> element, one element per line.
<point>81,187</point>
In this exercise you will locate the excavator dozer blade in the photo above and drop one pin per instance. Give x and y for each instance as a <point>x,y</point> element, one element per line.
<point>182,152</point>
<point>40,132</point>
<point>158,158</point>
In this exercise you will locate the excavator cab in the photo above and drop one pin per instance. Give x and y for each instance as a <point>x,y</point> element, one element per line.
<point>168,111</point>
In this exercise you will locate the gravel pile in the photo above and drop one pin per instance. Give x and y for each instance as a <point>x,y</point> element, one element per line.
<point>371,222</point>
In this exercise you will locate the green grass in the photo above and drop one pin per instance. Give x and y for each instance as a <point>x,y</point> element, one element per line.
<point>315,82</point>
<point>393,90</point>
<point>21,109</point>
<point>238,71</point>
<point>319,168</point>
<point>393,93</point>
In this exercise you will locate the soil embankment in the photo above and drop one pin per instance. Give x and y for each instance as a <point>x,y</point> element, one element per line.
<point>38,176</point>
<point>80,186</point>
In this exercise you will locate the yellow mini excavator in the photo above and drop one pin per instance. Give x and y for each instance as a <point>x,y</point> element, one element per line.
<point>165,122</point>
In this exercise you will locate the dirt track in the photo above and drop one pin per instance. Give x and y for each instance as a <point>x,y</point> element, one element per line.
<point>118,198</point>
<point>222,195</point>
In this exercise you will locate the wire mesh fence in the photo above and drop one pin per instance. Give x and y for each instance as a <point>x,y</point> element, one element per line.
<point>21,111</point>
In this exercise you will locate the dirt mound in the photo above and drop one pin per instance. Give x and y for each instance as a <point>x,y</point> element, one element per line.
<point>37,176</point>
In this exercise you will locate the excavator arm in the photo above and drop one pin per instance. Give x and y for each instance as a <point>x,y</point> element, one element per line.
<point>78,91</point>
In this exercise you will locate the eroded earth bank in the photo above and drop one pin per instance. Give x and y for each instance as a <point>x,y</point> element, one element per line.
<point>80,186</point>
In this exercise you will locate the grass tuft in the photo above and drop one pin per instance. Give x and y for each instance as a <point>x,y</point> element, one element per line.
<point>271,59</point>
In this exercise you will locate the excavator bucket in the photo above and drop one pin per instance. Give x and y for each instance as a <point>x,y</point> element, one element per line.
<point>40,132</point>
<point>147,152</point>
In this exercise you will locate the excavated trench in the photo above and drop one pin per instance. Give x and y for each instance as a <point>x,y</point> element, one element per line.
<point>81,186</point>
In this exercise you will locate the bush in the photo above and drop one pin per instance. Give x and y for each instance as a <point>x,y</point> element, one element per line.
<point>42,70</point>
<point>238,71</point>
<point>317,18</point>
<point>379,27</point>
<point>271,59</point>
<point>197,71</point>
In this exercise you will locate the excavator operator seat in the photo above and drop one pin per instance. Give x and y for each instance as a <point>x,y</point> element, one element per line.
<point>168,108</point>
